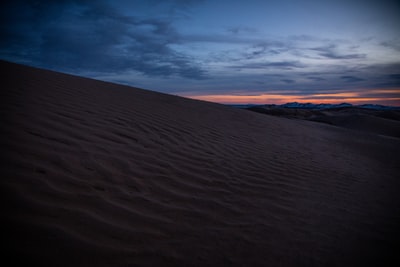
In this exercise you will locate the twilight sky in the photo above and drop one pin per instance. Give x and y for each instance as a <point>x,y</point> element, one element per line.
<point>243,51</point>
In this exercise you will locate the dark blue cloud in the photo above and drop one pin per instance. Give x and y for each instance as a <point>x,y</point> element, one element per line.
<point>393,44</point>
<point>330,52</point>
<point>266,48</point>
<point>387,81</point>
<point>241,29</point>
<point>282,65</point>
<point>394,76</point>
<point>288,80</point>
<point>316,79</point>
<point>351,79</point>
<point>77,36</point>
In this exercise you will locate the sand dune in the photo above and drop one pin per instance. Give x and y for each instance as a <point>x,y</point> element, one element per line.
<point>383,122</point>
<point>99,174</point>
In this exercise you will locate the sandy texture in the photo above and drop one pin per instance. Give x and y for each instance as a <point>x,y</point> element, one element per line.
<point>382,122</point>
<point>98,174</point>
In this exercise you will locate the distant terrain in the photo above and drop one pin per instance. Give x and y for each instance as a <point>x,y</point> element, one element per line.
<point>378,119</point>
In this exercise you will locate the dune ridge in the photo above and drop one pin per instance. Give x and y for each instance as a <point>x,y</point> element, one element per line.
<point>100,174</point>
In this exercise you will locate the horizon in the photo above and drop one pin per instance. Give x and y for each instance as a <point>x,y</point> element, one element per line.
<point>255,52</point>
<point>282,99</point>
<point>224,99</point>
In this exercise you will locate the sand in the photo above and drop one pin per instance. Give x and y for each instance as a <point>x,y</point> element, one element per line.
<point>100,174</point>
<point>382,122</point>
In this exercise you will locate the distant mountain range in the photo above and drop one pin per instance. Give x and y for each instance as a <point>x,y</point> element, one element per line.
<point>319,106</point>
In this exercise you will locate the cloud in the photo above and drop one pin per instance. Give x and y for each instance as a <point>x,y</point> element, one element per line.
<point>100,38</point>
<point>393,44</point>
<point>82,35</point>
<point>316,79</point>
<point>270,48</point>
<point>331,52</point>
<point>176,9</point>
<point>241,29</point>
<point>333,55</point>
<point>351,79</point>
<point>394,76</point>
<point>288,81</point>
<point>282,65</point>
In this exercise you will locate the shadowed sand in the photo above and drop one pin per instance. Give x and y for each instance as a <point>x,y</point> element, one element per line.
<point>383,122</point>
<point>99,174</point>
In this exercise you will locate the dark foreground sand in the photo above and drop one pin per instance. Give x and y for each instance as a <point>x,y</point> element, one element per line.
<point>98,174</point>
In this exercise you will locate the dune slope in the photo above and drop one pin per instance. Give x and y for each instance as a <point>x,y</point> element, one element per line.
<point>99,174</point>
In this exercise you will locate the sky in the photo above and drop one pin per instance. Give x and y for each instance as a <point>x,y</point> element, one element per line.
<point>243,51</point>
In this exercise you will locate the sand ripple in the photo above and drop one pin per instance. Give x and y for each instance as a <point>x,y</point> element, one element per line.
<point>98,174</point>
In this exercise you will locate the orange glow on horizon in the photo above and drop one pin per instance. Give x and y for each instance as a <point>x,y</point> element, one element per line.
<point>392,97</point>
<point>344,95</point>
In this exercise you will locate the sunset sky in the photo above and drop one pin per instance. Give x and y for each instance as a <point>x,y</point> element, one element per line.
<point>252,51</point>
